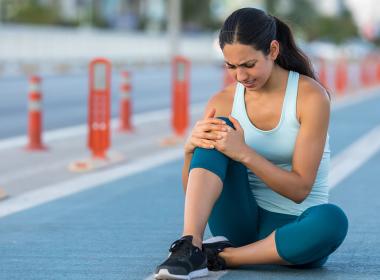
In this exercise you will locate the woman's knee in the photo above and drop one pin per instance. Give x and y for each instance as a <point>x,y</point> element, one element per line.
<point>332,224</point>
<point>211,159</point>
<point>316,234</point>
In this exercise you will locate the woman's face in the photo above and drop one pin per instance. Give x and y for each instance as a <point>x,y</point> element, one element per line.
<point>249,66</point>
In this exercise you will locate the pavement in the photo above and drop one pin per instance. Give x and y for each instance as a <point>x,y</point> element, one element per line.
<point>117,220</point>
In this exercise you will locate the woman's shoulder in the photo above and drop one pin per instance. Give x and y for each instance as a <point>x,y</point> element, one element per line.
<point>311,95</point>
<point>308,88</point>
<point>222,101</point>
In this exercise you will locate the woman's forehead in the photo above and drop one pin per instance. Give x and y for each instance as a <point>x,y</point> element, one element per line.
<point>239,53</point>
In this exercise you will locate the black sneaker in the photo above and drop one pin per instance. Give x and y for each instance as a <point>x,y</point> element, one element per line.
<point>185,261</point>
<point>212,247</point>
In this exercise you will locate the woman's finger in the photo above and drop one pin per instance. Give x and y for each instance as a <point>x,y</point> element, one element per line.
<point>211,121</point>
<point>211,113</point>
<point>213,127</point>
<point>203,143</point>
<point>207,144</point>
<point>206,135</point>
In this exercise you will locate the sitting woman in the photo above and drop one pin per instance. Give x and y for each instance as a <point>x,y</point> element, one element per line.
<point>256,167</point>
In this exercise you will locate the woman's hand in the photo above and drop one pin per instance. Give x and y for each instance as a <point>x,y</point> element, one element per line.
<point>205,133</point>
<point>231,142</point>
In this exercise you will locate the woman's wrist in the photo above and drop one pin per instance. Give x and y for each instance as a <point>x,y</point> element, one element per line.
<point>246,155</point>
<point>188,149</point>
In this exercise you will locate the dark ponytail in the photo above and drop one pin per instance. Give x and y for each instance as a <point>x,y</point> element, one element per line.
<point>290,56</point>
<point>250,26</point>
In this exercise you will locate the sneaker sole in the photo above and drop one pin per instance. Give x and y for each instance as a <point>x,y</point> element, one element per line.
<point>215,239</point>
<point>165,274</point>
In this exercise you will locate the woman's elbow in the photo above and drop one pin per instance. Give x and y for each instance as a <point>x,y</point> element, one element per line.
<point>303,193</point>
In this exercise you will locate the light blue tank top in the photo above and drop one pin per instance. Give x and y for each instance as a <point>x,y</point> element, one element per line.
<point>277,145</point>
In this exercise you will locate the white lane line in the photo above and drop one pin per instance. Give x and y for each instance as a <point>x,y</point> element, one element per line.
<point>73,131</point>
<point>354,156</point>
<point>59,190</point>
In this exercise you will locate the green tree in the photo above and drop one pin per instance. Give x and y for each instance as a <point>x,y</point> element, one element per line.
<point>337,29</point>
<point>196,15</point>
<point>34,12</point>
<point>309,24</point>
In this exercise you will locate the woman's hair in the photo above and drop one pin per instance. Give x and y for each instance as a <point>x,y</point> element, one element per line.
<point>250,26</point>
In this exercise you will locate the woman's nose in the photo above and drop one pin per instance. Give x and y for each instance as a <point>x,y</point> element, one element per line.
<point>241,74</point>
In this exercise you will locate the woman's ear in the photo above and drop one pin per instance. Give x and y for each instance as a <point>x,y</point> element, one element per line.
<point>274,49</point>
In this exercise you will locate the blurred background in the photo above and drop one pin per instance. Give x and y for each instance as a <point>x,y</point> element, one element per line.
<point>62,35</point>
<point>57,39</point>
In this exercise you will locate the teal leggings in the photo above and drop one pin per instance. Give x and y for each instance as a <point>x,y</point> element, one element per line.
<point>305,241</point>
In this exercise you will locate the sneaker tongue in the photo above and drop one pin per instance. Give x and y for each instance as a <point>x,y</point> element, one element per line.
<point>184,243</point>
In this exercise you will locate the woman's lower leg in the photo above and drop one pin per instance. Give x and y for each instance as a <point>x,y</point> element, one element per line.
<point>203,189</point>
<point>261,252</point>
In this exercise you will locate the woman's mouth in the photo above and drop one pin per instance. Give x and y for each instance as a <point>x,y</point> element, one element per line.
<point>250,84</point>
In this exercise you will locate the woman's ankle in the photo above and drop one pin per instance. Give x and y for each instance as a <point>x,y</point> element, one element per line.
<point>197,240</point>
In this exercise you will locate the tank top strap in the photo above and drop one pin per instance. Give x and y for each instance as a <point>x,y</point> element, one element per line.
<point>238,102</point>
<point>290,101</point>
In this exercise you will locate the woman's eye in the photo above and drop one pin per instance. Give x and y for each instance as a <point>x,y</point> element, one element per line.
<point>230,66</point>
<point>250,65</point>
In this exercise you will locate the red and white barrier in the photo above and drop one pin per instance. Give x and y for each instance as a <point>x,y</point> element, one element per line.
<point>180,95</point>
<point>342,76</point>
<point>35,115</point>
<point>125,102</point>
<point>99,107</point>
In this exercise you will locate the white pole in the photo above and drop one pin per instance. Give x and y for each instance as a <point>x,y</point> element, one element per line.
<point>174,26</point>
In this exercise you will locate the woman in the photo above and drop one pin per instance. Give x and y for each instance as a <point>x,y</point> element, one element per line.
<point>256,167</point>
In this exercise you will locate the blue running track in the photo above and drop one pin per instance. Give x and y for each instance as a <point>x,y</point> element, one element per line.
<point>122,230</point>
